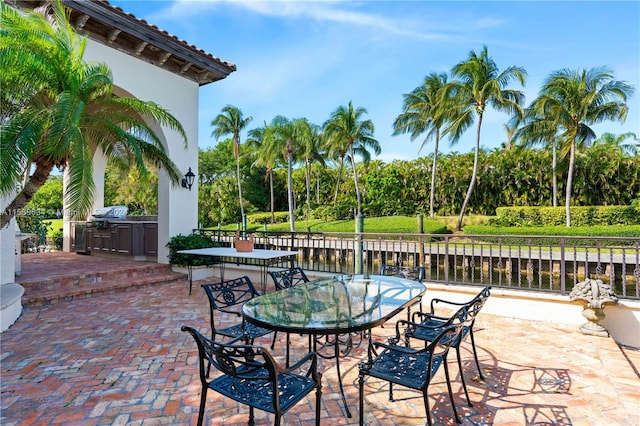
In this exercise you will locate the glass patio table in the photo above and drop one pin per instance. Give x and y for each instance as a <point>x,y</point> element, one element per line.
<point>334,305</point>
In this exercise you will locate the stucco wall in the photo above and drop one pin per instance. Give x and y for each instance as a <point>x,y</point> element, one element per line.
<point>177,207</point>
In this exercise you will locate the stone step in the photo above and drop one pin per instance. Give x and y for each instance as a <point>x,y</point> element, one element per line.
<point>97,278</point>
<point>59,293</point>
<point>72,279</point>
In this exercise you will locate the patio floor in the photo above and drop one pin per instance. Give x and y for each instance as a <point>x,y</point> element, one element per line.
<point>121,359</point>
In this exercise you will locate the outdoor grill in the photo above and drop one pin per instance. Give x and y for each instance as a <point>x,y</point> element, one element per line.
<point>100,218</point>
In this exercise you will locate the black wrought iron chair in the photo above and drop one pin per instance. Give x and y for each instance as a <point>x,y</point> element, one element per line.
<point>288,277</point>
<point>412,368</point>
<point>227,297</point>
<point>252,377</point>
<point>416,329</point>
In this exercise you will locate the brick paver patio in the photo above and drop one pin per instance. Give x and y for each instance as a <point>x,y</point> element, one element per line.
<point>121,359</point>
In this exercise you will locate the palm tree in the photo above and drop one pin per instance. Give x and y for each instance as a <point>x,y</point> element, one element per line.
<point>480,84</point>
<point>312,153</point>
<point>426,109</point>
<point>348,132</point>
<point>282,140</point>
<point>619,142</point>
<point>575,99</point>
<point>231,121</point>
<point>335,152</point>
<point>57,109</point>
<point>537,129</point>
<point>256,140</point>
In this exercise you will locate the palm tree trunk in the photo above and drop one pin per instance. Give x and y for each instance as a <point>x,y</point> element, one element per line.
<point>355,180</point>
<point>473,176</point>
<point>239,189</point>
<point>308,179</point>
<point>272,197</point>
<point>292,223</point>
<point>555,174</point>
<point>567,198</point>
<point>335,197</point>
<point>39,177</point>
<point>433,174</point>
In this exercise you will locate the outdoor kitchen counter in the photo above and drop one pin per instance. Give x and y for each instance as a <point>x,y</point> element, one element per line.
<point>130,236</point>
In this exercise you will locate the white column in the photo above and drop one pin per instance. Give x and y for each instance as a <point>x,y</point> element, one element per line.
<point>10,292</point>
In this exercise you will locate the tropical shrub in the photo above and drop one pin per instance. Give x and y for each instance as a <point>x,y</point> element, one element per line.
<point>57,239</point>
<point>187,242</point>
<point>33,222</point>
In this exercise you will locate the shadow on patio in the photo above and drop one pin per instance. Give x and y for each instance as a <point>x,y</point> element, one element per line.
<point>122,359</point>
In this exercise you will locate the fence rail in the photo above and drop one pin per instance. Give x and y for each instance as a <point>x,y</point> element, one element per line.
<point>544,263</point>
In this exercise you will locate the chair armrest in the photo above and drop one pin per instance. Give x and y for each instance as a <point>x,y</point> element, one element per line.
<point>448,302</point>
<point>396,348</point>
<point>312,369</point>
<point>227,311</point>
<point>243,336</point>
<point>399,323</point>
<point>424,316</point>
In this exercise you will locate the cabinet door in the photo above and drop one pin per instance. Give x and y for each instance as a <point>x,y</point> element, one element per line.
<point>151,239</point>
<point>89,239</point>
<point>123,238</point>
<point>137,239</point>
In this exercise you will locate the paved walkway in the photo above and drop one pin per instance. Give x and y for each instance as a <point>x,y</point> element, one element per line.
<point>121,359</point>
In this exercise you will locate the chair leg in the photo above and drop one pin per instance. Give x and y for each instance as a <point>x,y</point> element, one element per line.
<point>287,353</point>
<point>251,422</point>
<point>425,397</point>
<point>361,402</point>
<point>453,405</point>
<point>203,401</point>
<point>464,383</point>
<point>273,342</point>
<point>475,354</point>
<point>318,402</point>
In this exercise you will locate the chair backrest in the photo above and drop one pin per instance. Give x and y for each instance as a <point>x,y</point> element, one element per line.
<point>229,296</point>
<point>475,305</point>
<point>288,277</point>
<point>415,273</point>
<point>247,362</point>
<point>230,293</point>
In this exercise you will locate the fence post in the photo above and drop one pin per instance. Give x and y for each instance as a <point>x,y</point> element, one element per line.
<point>421,242</point>
<point>446,259</point>
<point>563,268</point>
<point>358,249</point>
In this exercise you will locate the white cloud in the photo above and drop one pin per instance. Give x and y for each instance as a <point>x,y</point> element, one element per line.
<point>320,11</point>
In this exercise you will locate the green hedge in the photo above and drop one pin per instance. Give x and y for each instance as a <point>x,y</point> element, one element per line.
<point>265,218</point>
<point>580,216</point>
<point>624,231</point>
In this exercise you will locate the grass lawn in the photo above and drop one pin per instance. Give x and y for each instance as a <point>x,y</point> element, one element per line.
<point>56,224</point>
<point>388,224</point>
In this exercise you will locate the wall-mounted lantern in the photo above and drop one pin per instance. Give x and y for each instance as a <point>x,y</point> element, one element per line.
<point>187,180</point>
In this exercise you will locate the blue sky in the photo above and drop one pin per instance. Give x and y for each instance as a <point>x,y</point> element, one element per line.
<point>304,59</point>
